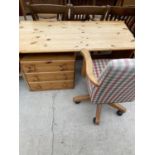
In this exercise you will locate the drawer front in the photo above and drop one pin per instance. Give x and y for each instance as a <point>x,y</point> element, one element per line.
<point>50,76</point>
<point>47,66</point>
<point>51,85</point>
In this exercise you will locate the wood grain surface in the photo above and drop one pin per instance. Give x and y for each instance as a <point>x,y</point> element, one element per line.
<point>73,36</point>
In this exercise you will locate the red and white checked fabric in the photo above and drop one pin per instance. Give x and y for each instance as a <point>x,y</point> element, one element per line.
<point>116,78</point>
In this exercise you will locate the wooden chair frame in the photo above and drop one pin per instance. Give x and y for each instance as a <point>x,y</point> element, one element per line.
<point>126,14</point>
<point>24,8</point>
<point>83,2</point>
<point>60,10</point>
<point>57,2</point>
<point>93,2</point>
<point>21,3</point>
<point>90,75</point>
<point>85,12</point>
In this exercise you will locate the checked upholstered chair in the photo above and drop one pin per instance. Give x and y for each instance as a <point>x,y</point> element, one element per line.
<point>110,81</point>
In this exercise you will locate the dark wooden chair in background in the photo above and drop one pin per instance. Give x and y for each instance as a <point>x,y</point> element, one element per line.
<point>23,9</point>
<point>82,2</point>
<point>125,3</point>
<point>93,2</point>
<point>61,11</point>
<point>105,2</point>
<point>127,14</point>
<point>24,6</point>
<point>59,2</point>
<point>83,13</point>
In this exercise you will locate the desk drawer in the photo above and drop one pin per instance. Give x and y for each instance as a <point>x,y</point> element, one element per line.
<point>47,62</point>
<point>48,71</point>
<point>48,85</point>
<point>50,76</point>
<point>47,66</point>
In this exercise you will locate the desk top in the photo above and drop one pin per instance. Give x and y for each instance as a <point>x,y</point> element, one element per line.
<point>72,36</point>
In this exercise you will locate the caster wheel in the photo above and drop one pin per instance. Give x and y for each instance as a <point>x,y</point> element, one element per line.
<point>119,113</point>
<point>94,121</point>
<point>76,102</point>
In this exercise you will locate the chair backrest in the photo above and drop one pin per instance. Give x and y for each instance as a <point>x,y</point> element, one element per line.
<point>125,2</point>
<point>93,2</point>
<point>88,12</point>
<point>105,2</point>
<point>22,8</point>
<point>117,82</point>
<point>82,2</point>
<point>60,10</point>
<point>59,2</point>
<point>126,14</point>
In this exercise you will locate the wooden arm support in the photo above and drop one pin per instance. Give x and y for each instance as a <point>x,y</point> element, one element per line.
<point>89,67</point>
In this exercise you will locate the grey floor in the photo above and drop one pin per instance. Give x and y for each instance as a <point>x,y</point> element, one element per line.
<point>51,124</point>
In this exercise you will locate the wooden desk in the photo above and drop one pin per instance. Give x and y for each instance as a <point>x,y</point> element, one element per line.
<point>72,36</point>
<point>47,48</point>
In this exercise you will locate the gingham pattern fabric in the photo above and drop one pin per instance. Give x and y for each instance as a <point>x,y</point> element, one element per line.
<point>117,81</point>
<point>98,66</point>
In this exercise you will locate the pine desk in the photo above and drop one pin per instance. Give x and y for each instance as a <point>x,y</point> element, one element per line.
<point>47,48</point>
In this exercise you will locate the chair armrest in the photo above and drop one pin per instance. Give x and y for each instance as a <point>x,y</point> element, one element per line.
<point>89,67</point>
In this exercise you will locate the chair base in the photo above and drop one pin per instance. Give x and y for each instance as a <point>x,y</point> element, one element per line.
<point>118,106</point>
<point>78,99</point>
<point>119,113</point>
<point>95,122</point>
<point>96,119</point>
